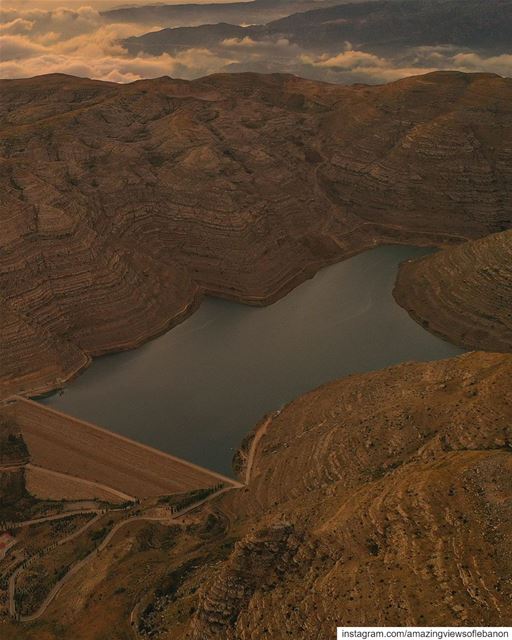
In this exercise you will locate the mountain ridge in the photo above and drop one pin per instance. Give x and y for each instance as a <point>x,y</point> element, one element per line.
<point>144,197</point>
<point>376,26</point>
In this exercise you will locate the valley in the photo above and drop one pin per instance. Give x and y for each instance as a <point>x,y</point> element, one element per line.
<point>380,497</point>
<point>429,483</point>
<point>196,391</point>
<point>238,187</point>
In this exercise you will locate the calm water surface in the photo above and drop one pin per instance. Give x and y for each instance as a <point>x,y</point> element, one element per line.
<point>196,391</point>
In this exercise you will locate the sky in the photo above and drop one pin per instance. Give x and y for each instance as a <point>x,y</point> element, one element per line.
<point>70,36</point>
<point>97,4</point>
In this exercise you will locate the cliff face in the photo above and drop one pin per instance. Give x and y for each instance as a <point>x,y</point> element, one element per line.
<point>380,499</point>
<point>122,204</point>
<point>464,293</point>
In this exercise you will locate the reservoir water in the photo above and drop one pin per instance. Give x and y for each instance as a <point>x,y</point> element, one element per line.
<point>197,391</point>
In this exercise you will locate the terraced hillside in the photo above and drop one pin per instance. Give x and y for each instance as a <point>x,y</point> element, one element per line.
<point>121,205</point>
<point>379,499</point>
<point>464,293</point>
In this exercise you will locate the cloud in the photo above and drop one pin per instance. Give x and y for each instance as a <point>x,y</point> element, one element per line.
<point>351,59</point>
<point>16,26</point>
<point>62,24</point>
<point>194,63</point>
<point>258,45</point>
<point>360,66</point>
<point>18,47</point>
<point>106,68</point>
<point>65,23</point>
<point>78,41</point>
<point>353,65</point>
<point>501,64</point>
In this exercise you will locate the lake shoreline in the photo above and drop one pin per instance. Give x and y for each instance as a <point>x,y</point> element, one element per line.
<point>199,389</point>
<point>363,238</point>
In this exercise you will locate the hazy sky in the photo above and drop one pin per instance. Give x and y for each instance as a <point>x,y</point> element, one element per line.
<point>97,4</point>
<point>71,36</point>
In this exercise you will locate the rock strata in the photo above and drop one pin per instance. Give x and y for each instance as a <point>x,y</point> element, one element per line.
<point>464,293</point>
<point>121,205</point>
<point>381,499</point>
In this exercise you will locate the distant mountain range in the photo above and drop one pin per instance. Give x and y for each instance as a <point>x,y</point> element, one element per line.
<point>384,26</point>
<point>175,15</point>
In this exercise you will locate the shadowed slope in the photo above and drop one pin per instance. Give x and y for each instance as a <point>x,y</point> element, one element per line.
<point>388,28</point>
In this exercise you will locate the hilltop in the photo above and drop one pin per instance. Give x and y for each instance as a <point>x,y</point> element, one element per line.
<point>463,294</point>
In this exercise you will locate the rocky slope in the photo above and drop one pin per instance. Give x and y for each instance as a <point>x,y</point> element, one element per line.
<point>122,204</point>
<point>375,500</point>
<point>379,499</point>
<point>464,293</point>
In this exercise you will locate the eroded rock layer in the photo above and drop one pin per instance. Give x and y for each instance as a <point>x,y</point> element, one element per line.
<point>463,293</point>
<point>120,205</point>
<point>380,499</point>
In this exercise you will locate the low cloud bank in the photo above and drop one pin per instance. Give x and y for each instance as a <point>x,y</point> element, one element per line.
<point>78,41</point>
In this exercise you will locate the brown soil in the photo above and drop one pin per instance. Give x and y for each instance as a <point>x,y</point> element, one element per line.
<point>49,485</point>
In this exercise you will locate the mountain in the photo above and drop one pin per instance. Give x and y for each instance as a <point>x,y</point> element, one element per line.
<point>463,294</point>
<point>384,27</point>
<point>174,40</point>
<point>397,477</point>
<point>255,11</point>
<point>123,204</point>
<point>395,24</point>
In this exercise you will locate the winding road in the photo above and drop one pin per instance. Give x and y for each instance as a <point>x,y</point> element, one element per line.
<point>261,431</point>
<point>104,543</point>
<point>249,466</point>
<point>88,483</point>
<point>28,561</point>
<point>57,516</point>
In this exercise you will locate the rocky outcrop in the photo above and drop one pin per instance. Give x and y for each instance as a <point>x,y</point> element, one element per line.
<point>463,294</point>
<point>386,499</point>
<point>122,204</point>
<point>258,563</point>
